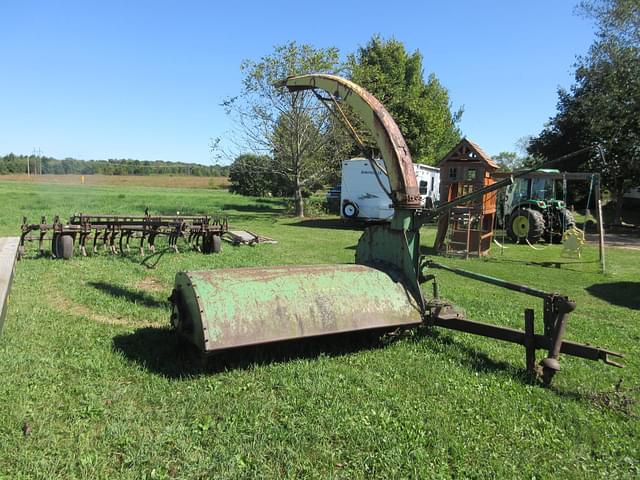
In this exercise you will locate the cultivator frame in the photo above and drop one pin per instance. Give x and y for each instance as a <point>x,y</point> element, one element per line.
<point>114,232</point>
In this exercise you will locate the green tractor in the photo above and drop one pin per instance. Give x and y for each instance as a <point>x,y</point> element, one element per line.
<point>531,209</point>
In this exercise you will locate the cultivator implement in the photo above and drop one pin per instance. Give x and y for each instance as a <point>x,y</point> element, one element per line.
<point>219,310</point>
<point>115,233</point>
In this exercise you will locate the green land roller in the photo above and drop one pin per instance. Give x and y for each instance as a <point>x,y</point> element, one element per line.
<point>223,309</point>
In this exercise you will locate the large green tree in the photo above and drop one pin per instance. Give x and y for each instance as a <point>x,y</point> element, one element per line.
<point>618,20</point>
<point>602,107</point>
<point>295,129</point>
<point>251,175</point>
<point>421,108</point>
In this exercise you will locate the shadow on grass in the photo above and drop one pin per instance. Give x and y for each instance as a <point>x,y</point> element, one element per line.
<point>428,250</point>
<point>335,223</point>
<point>255,208</point>
<point>549,264</point>
<point>479,361</point>
<point>163,352</point>
<point>469,357</point>
<point>624,294</point>
<point>134,296</point>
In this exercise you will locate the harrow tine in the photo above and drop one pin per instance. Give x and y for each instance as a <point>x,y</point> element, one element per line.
<point>112,241</point>
<point>142,244</point>
<point>95,241</point>
<point>129,232</point>
<point>120,243</point>
<point>41,241</point>
<point>83,243</point>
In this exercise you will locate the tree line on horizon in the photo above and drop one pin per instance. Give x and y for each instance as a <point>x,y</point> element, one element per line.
<point>17,164</point>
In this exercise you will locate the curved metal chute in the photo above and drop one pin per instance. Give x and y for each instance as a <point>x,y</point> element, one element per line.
<point>395,153</point>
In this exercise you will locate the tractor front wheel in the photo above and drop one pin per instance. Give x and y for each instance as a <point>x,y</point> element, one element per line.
<point>525,224</point>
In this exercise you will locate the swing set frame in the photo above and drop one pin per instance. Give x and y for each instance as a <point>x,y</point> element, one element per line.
<point>594,179</point>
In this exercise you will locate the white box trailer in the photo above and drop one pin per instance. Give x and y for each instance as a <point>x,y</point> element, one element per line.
<point>362,196</point>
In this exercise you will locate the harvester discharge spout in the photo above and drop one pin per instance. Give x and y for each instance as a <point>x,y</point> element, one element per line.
<point>227,308</point>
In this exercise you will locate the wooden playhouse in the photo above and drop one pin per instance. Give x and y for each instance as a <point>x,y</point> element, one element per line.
<point>467,229</point>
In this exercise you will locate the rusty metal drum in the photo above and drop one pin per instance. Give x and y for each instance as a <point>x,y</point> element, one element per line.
<point>228,308</point>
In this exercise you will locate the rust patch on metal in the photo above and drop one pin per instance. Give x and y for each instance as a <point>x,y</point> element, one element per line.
<point>271,273</point>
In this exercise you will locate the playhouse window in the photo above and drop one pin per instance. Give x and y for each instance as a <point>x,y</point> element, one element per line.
<point>453,172</point>
<point>471,174</point>
<point>465,189</point>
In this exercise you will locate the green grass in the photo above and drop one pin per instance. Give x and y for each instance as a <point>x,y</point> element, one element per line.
<point>88,362</point>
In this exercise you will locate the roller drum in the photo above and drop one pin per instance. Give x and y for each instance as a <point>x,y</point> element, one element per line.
<point>228,308</point>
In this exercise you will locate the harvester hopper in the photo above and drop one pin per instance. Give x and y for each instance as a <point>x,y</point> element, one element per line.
<point>223,309</point>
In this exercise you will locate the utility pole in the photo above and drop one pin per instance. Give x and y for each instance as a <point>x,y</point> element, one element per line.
<point>40,157</point>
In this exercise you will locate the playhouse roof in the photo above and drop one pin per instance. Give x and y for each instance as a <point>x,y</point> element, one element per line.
<point>466,151</point>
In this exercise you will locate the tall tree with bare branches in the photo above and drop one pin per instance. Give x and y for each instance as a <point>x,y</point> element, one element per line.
<point>303,139</point>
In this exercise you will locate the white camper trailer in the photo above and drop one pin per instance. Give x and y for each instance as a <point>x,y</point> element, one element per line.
<point>362,196</point>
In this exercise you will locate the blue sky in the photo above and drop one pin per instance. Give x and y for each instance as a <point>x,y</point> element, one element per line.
<point>144,79</point>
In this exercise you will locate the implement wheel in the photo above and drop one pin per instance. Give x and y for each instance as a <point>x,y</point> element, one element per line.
<point>211,244</point>
<point>525,224</point>
<point>65,248</point>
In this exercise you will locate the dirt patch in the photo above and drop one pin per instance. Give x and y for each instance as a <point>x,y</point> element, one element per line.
<point>620,399</point>
<point>151,284</point>
<point>629,241</point>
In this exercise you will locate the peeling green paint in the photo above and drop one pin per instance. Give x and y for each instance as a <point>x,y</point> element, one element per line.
<point>257,305</point>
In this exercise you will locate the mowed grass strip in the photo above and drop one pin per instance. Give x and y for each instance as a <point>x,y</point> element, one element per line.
<point>95,384</point>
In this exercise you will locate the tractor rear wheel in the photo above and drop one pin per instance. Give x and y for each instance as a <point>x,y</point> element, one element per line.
<point>525,224</point>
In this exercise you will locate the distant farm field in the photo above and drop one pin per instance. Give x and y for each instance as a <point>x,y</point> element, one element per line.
<point>177,181</point>
<point>95,384</point>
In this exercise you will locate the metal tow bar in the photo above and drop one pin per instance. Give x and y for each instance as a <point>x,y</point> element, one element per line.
<point>557,309</point>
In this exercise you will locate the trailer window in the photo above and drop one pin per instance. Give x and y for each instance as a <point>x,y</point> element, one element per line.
<point>424,187</point>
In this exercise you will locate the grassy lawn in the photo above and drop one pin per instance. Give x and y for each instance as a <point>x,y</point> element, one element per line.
<point>89,365</point>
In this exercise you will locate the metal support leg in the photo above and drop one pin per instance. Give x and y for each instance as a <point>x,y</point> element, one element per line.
<point>551,365</point>
<point>529,341</point>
